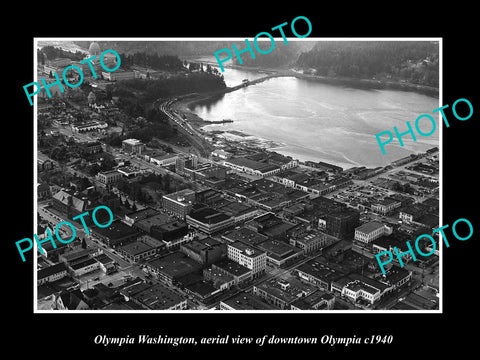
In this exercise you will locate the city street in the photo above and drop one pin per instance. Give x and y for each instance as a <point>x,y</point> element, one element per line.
<point>52,216</point>
<point>271,273</point>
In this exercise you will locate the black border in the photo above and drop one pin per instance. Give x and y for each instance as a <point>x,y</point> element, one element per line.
<point>413,333</point>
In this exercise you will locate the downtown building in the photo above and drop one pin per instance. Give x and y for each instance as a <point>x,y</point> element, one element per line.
<point>368,232</point>
<point>250,257</point>
<point>209,220</point>
<point>386,206</point>
<point>133,146</point>
<point>179,203</point>
<point>342,224</point>
<point>282,293</point>
<point>108,177</point>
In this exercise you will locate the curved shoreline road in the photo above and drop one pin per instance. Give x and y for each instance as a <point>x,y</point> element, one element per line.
<point>197,140</point>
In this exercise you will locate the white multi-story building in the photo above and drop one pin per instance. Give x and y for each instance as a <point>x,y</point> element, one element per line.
<point>358,289</point>
<point>370,231</point>
<point>164,160</point>
<point>84,267</point>
<point>118,75</point>
<point>252,167</point>
<point>133,146</point>
<point>89,126</point>
<point>311,241</point>
<point>108,177</point>
<point>248,256</point>
<point>51,273</point>
<point>385,206</point>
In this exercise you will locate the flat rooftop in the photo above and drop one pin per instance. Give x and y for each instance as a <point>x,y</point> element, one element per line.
<point>76,254</point>
<point>368,281</point>
<point>283,290</point>
<point>232,267</point>
<point>142,214</point>
<point>54,269</point>
<point>136,248</point>
<point>104,259</point>
<point>252,164</point>
<point>386,241</point>
<point>116,230</point>
<point>171,226</point>
<point>358,285</point>
<point>247,250</point>
<point>279,229</point>
<point>245,235</point>
<point>247,301</point>
<point>134,288</point>
<point>164,156</point>
<point>199,245</point>
<point>179,194</point>
<point>233,208</point>
<point>278,249</point>
<point>209,215</point>
<point>132,142</point>
<point>395,274</point>
<point>82,264</point>
<point>158,297</point>
<point>146,223</point>
<point>311,236</point>
<point>320,271</point>
<point>175,265</point>
<point>202,288</point>
<point>308,302</point>
<point>388,201</point>
<point>369,227</point>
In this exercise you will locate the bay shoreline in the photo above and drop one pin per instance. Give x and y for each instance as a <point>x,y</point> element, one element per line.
<point>187,105</point>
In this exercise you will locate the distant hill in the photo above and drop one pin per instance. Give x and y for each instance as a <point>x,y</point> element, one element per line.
<point>416,62</point>
<point>282,56</point>
<point>179,48</point>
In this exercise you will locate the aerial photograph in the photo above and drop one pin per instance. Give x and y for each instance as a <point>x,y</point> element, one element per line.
<point>167,180</point>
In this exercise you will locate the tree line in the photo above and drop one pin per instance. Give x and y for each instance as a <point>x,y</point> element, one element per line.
<point>52,52</point>
<point>154,61</point>
<point>147,90</point>
<point>413,61</point>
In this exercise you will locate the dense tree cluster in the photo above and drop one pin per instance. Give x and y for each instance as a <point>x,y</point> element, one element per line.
<point>196,66</point>
<point>51,52</point>
<point>133,190</point>
<point>155,128</point>
<point>154,61</point>
<point>413,61</point>
<point>282,55</point>
<point>137,190</point>
<point>95,168</point>
<point>146,133</point>
<point>180,48</point>
<point>134,94</point>
<point>404,188</point>
<point>149,90</point>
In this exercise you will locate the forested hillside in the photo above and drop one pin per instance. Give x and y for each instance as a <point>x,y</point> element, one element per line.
<point>52,52</point>
<point>135,93</point>
<point>282,56</point>
<point>178,48</point>
<point>416,62</point>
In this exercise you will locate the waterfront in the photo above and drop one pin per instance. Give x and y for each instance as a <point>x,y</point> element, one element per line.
<point>320,122</point>
<point>176,199</point>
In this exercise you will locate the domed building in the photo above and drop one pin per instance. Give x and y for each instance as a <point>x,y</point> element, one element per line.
<point>94,49</point>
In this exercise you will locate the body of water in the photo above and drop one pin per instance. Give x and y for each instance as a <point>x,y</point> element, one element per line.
<point>322,122</point>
